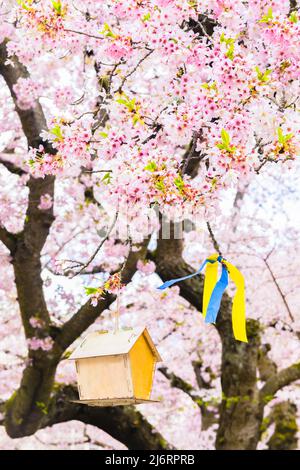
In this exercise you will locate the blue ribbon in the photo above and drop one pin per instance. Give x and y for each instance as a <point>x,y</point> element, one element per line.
<point>173,281</point>
<point>216,296</point>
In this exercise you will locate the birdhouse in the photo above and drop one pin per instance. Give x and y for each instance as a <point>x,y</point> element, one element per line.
<point>116,368</point>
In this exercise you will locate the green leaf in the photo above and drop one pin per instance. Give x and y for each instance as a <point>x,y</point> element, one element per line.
<point>288,136</point>
<point>230,46</point>
<point>283,139</point>
<point>230,52</point>
<point>103,134</point>
<point>263,76</point>
<point>146,17</point>
<point>193,4</point>
<point>57,6</point>
<point>225,144</point>
<point>130,104</point>
<point>135,119</point>
<point>23,5</point>
<point>151,166</point>
<point>222,38</point>
<point>122,101</point>
<point>293,17</point>
<point>280,135</point>
<point>179,183</point>
<point>268,17</point>
<point>160,185</point>
<point>56,130</point>
<point>106,178</point>
<point>225,137</point>
<point>91,290</point>
<point>107,31</point>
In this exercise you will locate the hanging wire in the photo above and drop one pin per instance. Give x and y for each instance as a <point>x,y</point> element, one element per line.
<point>117,312</point>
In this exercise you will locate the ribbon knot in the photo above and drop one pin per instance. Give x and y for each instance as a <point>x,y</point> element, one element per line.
<point>214,290</point>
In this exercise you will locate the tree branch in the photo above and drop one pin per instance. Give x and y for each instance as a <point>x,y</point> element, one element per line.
<point>278,381</point>
<point>8,239</point>
<point>284,437</point>
<point>213,239</point>
<point>191,158</point>
<point>26,259</point>
<point>87,314</point>
<point>279,289</point>
<point>110,229</point>
<point>123,423</point>
<point>208,417</point>
<point>12,168</point>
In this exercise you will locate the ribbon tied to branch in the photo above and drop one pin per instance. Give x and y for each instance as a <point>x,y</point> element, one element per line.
<point>214,290</point>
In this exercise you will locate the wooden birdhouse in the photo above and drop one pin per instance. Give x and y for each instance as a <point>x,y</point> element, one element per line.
<point>116,368</point>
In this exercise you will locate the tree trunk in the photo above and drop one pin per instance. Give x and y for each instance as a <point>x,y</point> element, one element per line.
<point>241,412</point>
<point>26,408</point>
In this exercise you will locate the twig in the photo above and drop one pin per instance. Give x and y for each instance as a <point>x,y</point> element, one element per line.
<point>99,246</point>
<point>213,239</point>
<point>96,171</point>
<point>257,170</point>
<point>278,288</point>
<point>134,69</point>
<point>82,33</point>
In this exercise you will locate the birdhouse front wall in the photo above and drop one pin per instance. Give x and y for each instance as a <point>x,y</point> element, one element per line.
<point>104,377</point>
<point>142,362</point>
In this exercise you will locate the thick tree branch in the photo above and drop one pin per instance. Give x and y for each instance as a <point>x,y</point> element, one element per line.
<point>266,366</point>
<point>208,417</point>
<point>278,381</point>
<point>11,167</point>
<point>8,239</point>
<point>284,437</point>
<point>192,157</point>
<point>26,260</point>
<point>125,424</point>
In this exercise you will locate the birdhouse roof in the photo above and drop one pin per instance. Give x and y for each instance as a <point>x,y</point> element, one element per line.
<point>112,343</point>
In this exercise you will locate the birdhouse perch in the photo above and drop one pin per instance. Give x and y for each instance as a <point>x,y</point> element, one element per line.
<point>116,368</point>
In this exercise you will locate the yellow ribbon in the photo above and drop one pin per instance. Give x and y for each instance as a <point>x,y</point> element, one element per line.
<point>214,289</point>
<point>210,280</point>
<point>238,304</point>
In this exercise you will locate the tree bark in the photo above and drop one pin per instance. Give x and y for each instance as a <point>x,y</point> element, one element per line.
<point>284,437</point>
<point>241,413</point>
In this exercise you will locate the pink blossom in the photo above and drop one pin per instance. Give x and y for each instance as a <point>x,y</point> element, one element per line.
<point>146,267</point>
<point>45,202</point>
<point>27,92</point>
<point>45,344</point>
<point>36,322</point>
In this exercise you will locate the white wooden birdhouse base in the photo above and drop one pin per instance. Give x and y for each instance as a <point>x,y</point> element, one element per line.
<point>114,401</point>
